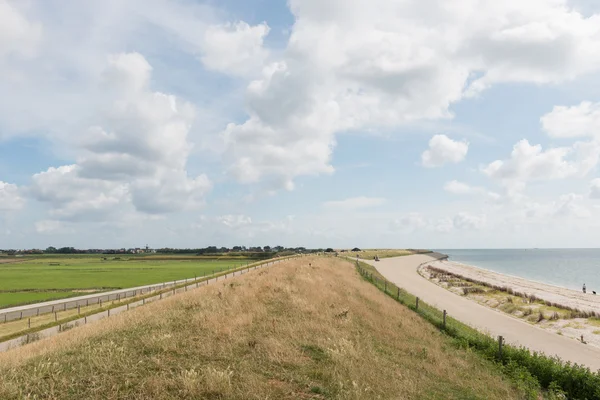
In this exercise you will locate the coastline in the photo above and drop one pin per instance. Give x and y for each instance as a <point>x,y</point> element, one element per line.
<point>558,299</point>
<point>567,298</point>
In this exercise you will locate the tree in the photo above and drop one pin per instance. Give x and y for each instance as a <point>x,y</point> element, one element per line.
<point>329,250</point>
<point>51,250</point>
<point>356,249</point>
<point>267,248</point>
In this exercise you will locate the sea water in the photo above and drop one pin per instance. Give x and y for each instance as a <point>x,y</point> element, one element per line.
<point>569,268</point>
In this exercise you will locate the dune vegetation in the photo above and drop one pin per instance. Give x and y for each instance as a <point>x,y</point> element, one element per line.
<point>306,328</point>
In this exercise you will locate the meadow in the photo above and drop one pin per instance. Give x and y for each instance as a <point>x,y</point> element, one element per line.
<point>54,277</point>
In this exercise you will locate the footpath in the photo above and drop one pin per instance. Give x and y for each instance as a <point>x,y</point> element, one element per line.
<point>402,271</point>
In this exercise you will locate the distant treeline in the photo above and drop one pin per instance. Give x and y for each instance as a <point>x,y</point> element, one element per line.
<point>242,251</point>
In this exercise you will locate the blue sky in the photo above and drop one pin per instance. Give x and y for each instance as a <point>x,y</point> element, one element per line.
<point>302,123</point>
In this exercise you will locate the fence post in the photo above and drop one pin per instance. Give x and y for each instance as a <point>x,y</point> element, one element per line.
<point>398,295</point>
<point>127,306</point>
<point>85,319</point>
<point>385,286</point>
<point>108,312</point>
<point>28,322</point>
<point>65,308</point>
<point>21,315</point>
<point>143,301</point>
<point>417,306</point>
<point>55,317</point>
<point>500,343</point>
<point>444,319</point>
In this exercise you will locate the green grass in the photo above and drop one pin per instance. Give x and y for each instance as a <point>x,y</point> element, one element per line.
<point>36,280</point>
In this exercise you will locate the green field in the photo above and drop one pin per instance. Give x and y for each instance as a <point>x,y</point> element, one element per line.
<point>54,277</point>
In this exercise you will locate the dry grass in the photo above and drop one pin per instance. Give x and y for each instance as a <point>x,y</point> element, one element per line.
<point>292,331</point>
<point>381,253</point>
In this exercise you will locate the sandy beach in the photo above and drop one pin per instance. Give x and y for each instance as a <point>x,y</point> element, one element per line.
<point>566,298</point>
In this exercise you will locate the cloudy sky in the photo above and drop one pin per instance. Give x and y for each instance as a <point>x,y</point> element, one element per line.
<point>370,123</point>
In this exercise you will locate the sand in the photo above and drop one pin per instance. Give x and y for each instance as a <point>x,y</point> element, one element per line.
<point>567,298</point>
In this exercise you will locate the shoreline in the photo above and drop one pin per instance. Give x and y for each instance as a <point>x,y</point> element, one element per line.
<point>568,298</point>
<point>563,311</point>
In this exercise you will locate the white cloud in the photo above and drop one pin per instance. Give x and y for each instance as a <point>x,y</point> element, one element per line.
<point>461,188</point>
<point>443,150</point>
<point>595,188</point>
<point>367,64</point>
<point>10,197</point>
<point>136,154</point>
<point>566,206</point>
<point>529,163</point>
<point>234,221</point>
<point>466,221</point>
<point>235,49</point>
<point>409,223</point>
<point>354,203</point>
<point>75,198</point>
<point>18,35</point>
<point>49,226</point>
<point>575,121</point>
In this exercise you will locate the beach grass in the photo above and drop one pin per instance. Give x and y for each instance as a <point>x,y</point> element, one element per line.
<point>307,328</point>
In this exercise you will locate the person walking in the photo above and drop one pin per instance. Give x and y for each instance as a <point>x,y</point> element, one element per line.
<point>584,288</point>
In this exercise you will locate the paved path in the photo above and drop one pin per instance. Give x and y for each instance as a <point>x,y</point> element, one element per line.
<point>403,272</point>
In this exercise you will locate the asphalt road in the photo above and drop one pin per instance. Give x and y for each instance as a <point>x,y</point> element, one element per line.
<point>403,272</point>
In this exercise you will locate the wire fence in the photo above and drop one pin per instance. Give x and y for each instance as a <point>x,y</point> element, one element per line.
<point>67,318</point>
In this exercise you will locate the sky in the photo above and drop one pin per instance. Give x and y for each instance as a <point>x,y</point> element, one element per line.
<point>316,123</point>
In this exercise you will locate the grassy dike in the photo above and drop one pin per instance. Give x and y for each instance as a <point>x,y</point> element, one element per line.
<point>73,314</point>
<point>534,373</point>
<point>307,328</point>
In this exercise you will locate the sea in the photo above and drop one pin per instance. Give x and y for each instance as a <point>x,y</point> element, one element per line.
<point>568,268</point>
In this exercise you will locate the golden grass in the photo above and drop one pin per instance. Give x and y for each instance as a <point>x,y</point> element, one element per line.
<point>292,331</point>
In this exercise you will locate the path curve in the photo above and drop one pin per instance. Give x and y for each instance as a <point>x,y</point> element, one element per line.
<point>402,271</point>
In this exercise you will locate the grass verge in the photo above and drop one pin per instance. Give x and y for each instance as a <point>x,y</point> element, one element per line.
<point>531,371</point>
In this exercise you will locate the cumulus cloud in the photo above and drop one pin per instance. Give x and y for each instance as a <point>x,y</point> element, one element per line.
<point>529,163</point>
<point>409,223</point>
<point>75,198</point>
<point>363,65</point>
<point>235,49</point>
<point>49,226</point>
<point>234,221</point>
<point>469,221</point>
<point>354,203</point>
<point>576,121</point>
<point>18,35</point>
<point>461,188</point>
<point>136,154</point>
<point>10,197</point>
<point>443,150</point>
<point>595,188</point>
<point>566,206</point>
